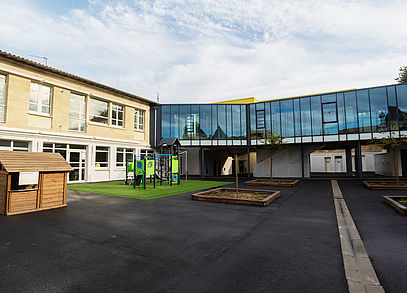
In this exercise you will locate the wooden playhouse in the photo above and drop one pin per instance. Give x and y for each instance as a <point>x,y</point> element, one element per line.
<point>31,182</point>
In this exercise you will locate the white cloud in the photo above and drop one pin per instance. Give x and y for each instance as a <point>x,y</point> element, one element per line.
<point>202,51</point>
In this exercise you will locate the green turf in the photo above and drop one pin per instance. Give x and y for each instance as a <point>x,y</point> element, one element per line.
<point>117,188</point>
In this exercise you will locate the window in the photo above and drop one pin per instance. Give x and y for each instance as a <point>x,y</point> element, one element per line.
<point>102,157</point>
<point>99,111</point>
<point>55,148</point>
<point>3,80</point>
<point>138,120</point>
<point>40,98</point>
<point>117,115</point>
<point>13,145</point>
<point>77,113</point>
<point>144,153</point>
<point>123,156</point>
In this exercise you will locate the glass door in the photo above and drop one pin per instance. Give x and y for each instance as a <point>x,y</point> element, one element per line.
<point>77,160</point>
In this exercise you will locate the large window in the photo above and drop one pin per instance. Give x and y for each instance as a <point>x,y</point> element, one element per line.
<point>3,80</point>
<point>60,148</point>
<point>102,157</point>
<point>165,121</point>
<point>305,116</point>
<point>363,111</point>
<point>205,123</point>
<point>77,110</point>
<point>402,106</point>
<point>287,118</point>
<point>174,121</point>
<point>275,114</point>
<point>316,115</point>
<point>350,112</point>
<point>117,115</point>
<point>124,155</point>
<point>40,98</point>
<point>99,111</point>
<point>138,119</point>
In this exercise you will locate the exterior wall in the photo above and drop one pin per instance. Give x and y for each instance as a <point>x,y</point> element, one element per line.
<point>384,164</point>
<point>36,129</point>
<point>18,116</point>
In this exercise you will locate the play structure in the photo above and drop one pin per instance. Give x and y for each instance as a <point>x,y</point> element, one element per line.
<point>158,168</point>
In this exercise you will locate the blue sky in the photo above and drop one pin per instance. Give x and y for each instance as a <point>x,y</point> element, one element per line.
<point>205,51</point>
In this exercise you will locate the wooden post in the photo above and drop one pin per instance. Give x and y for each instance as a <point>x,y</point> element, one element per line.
<point>236,174</point>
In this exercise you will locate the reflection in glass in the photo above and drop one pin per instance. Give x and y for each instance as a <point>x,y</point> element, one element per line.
<point>340,106</point>
<point>165,121</point>
<point>174,121</point>
<point>402,103</point>
<point>316,115</point>
<point>392,118</point>
<point>275,117</point>
<point>194,122</point>
<point>351,114</point>
<point>236,121</point>
<point>305,116</point>
<point>243,119</point>
<point>297,118</point>
<point>287,118</point>
<point>363,110</point>
<point>185,128</point>
<point>220,132</point>
<point>205,121</point>
<point>214,121</point>
<point>378,108</point>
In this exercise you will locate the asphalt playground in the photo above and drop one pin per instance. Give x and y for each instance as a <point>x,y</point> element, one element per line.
<point>103,243</point>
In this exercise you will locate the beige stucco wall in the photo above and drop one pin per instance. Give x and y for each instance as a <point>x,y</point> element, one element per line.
<point>19,77</point>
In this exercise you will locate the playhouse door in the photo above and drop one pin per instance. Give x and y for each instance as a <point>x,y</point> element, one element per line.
<point>77,159</point>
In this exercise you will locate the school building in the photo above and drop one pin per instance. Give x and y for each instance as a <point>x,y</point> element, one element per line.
<point>96,128</point>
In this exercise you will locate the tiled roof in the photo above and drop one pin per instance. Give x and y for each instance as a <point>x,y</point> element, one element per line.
<point>72,76</point>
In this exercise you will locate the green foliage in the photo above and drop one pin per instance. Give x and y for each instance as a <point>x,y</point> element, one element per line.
<point>390,143</point>
<point>273,143</point>
<point>402,75</point>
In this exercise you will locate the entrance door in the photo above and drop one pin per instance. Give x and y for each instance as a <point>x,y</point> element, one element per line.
<point>338,164</point>
<point>328,164</point>
<point>77,159</point>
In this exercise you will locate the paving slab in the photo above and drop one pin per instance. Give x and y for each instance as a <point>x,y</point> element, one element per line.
<point>101,243</point>
<point>383,231</point>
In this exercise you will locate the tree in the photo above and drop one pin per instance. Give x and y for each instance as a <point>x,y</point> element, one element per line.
<point>402,75</point>
<point>392,145</point>
<point>272,144</point>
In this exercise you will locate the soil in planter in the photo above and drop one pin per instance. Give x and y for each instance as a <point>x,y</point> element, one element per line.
<point>240,195</point>
<point>402,200</point>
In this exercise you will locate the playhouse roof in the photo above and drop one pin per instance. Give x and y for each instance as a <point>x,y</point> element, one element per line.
<point>33,162</point>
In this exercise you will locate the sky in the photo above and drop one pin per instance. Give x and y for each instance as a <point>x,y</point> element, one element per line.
<point>213,50</point>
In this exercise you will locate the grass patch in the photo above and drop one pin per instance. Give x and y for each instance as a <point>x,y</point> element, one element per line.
<point>117,188</point>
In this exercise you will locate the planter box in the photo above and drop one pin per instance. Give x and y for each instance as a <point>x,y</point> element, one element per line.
<point>383,185</point>
<point>274,182</point>
<point>395,204</point>
<point>205,196</point>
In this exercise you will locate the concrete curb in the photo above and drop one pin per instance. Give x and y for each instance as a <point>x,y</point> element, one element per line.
<point>359,271</point>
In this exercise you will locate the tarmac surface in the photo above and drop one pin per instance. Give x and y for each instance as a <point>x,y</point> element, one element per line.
<point>383,231</point>
<point>101,243</point>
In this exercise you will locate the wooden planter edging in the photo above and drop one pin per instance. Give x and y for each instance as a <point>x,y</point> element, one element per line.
<point>275,182</point>
<point>376,185</point>
<point>395,204</point>
<point>253,202</point>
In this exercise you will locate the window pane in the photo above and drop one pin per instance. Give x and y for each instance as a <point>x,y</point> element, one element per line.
<point>402,102</point>
<point>77,112</point>
<point>243,119</point>
<point>297,118</point>
<point>392,109</point>
<point>214,121</point>
<point>351,114</point>
<point>378,108</point>
<point>174,121</point>
<point>275,114</point>
<point>287,118</point>
<point>316,115</point>
<point>236,121</point>
<point>194,120</point>
<point>221,131</point>
<point>5,143</point>
<point>98,111</point>
<point>340,105</point>
<point>267,113</point>
<point>229,121</point>
<point>305,116</point>
<point>165,121</point>
<point>363,110</point>
<point>329,112</point>
<point>253,121</point>
<point>205,114</point>
<point>184,127</point>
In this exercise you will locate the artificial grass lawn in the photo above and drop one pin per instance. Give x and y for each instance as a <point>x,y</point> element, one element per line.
<point>117,188</point>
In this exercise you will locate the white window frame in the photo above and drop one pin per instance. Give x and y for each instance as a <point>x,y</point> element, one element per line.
<point>124,152</point>
<point>13,147</point>
<point>116,110</point>
<point>102,149</point>
<point>77,117</point>
<point>36,98</point>
<point>93,102</point>
<point>137,115</point>
<point>3,97</point>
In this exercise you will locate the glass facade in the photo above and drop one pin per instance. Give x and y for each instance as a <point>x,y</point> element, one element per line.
<point>348,115</point>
